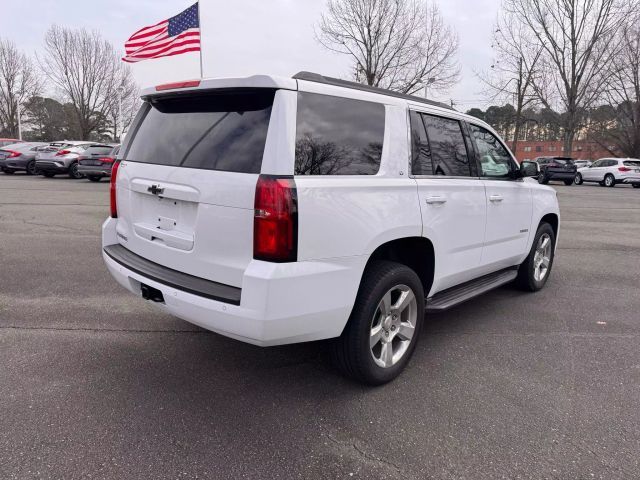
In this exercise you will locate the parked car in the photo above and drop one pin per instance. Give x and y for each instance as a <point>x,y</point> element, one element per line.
<point>97,160</point>
<point>609,172</point>
<point>61,158</point>
<point>9,141</point>
<point>20,157</point>
<point>277,210</point>
<point>556,169</point>
<point>582,163</point>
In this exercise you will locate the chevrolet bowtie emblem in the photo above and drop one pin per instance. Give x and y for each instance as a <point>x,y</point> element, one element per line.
<point>155,189</point>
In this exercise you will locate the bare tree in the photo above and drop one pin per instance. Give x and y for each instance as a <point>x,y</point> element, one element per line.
<point>621,124</point>
<point>396,44</point>
<point>515,70</point>
<point>576,36</point>
<point>19,81</point>
<point>87,71</point>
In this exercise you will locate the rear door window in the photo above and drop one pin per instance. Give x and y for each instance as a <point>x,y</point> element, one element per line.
<point>211,131</point>
<point>338,136</point>
<point>448,148</point>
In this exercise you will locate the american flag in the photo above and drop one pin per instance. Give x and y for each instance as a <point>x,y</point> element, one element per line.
<point>179,34</point>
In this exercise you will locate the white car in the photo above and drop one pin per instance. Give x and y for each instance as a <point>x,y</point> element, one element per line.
<point>609,172</point>
<point>61,158</point>
<point>281,210</point>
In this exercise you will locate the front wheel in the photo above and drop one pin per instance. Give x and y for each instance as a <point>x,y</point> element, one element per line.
<point>384,326</point>
<point>8,171</point>
<point>578,180</point>
<point>636,185</point>
<point>535,270</point>
<point>609,180</point>
<point>568,183</point>
<point>542,179</point>
<point>48,174</point>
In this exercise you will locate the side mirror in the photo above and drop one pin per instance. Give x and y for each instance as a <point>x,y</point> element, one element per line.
<point>529,169</point>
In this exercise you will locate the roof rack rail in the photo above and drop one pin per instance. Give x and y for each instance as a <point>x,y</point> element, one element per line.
<point>318,78</point>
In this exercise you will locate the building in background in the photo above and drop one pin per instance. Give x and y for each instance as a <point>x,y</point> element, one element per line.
<point>582,149</point>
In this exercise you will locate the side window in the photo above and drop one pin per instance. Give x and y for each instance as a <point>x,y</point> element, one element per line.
<point>448,149</point>
<point>338,136</point>
<point>495,160</point>
<point>421,162</point>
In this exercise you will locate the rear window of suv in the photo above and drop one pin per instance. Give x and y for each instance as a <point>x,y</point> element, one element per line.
<point>99,150</point>
<point>338,136</point>
<point>212,131</point>
<point>631,163</point>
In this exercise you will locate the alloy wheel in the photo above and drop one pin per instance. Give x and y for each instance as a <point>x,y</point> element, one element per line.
<point>542,258</point>
<point>393,326</point>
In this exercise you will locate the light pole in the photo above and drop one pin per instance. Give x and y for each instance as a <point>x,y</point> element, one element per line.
<point>119,126</point>
<point>19,121</point>
<point>426,83</point>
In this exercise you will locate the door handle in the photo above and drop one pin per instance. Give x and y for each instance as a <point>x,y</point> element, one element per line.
<point>436,200</point>
<point>496,198</point>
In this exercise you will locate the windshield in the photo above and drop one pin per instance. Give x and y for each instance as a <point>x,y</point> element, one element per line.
<point>213,131</point>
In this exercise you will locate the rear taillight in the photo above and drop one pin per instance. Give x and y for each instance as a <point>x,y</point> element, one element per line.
<point>112,189</point>
<point>624,169</point>
<point>107,159</point>
<point>275,224</point>
<point>63,152</point>
<point>13,154</point>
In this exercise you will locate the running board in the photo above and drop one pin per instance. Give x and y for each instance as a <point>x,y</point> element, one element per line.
<point>453,296</point>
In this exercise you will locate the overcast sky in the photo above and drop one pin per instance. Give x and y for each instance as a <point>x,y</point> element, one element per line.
<point>245,36</point>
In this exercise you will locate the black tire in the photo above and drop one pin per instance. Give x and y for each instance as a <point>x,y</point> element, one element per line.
<point>542,179</point>
<point>636,185</point>
<point>526,273</point>
<point>578,180</point>
<point>94,178</point>
<point>609,180</point>
<point>73,171</point>
<point>48,174</point>
<point>351,352</point>
<point>31,168</point>
<point>568,183</point>
<point>8,171</point>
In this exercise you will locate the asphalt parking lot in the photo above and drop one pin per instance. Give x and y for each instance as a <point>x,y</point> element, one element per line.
<point>94,383</point>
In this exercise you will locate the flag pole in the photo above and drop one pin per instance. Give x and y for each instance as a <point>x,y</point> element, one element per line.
<point>200,25</point>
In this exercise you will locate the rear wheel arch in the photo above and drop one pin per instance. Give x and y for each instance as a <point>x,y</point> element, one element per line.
<point>416,253</point>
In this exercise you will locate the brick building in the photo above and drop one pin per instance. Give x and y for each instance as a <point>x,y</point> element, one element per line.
<point>582,149</point>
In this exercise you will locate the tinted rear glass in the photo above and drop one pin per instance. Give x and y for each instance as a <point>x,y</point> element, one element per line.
<point>448,149</point>
<point>98,150</point>
<point>338,136</point>
<point>563,161</point>
<point>631,163</point>
<point>211,131</point>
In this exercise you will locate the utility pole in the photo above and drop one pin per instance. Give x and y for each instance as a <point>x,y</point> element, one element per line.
<point>19,121</point>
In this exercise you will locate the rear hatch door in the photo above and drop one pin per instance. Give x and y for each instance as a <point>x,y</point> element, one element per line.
<point>186,184</point>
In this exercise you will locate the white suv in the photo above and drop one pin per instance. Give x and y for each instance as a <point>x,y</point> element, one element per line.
<point>609,172</point>
<point>276,210</point>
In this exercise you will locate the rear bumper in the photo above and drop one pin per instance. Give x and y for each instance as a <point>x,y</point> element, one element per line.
<point>560,175</point>
<point>51,167</point>
<point>92,170</point>
<point>17,164</point>
<point>279,303</point>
